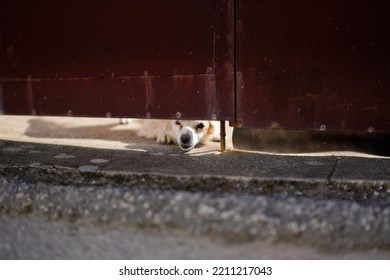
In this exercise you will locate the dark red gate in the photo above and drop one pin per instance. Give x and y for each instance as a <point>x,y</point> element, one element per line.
<point>322,65</point>
<point>147,59</point>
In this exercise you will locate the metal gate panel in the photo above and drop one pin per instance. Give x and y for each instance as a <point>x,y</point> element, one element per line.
<point>313,64</point>
<point>116,58</point>
<point>294,65</point>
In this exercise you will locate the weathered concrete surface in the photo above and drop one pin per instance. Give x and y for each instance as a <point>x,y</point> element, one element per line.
<point>90,188</point>
<point>31,237</point>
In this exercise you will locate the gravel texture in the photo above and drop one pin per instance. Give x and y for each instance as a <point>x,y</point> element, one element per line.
<point>340,216</point>
<point>91,189</point>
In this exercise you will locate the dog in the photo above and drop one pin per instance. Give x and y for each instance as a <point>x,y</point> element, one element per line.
<point>185,133</point>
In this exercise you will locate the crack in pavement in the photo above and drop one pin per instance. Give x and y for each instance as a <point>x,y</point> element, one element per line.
<point>333,170</point>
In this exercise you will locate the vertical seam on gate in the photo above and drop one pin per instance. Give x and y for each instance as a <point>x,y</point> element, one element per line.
<point>224,58</point>
<point>234,60</point>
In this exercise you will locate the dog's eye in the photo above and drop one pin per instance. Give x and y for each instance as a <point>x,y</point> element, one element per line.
<point>177,122</point>
<point>200,126</point>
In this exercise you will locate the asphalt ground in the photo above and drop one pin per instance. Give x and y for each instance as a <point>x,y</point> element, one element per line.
<point>74,188</point>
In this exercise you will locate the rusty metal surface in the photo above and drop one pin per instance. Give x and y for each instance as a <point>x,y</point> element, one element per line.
<point>111,58</point>
<point>225,57</point>
<point>143,96</point>
<point>313,64</point>
<point>283,64</point>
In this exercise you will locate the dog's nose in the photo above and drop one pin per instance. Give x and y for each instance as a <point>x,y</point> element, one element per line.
<point>185,138</point>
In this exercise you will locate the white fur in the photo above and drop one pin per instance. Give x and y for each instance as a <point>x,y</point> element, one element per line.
<point>187,134</point>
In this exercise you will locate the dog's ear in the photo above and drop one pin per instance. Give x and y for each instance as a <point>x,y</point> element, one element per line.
<point>209,132</point>
<point>211,129</point>
<point>214,131</point>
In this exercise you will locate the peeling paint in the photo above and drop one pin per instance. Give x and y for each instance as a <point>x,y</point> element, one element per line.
<point>30,95</point>
<point>211,98</point>
<point>182,82</point>
<point>149,91</point>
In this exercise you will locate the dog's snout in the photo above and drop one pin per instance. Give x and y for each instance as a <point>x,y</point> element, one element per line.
<point>185,138</point>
